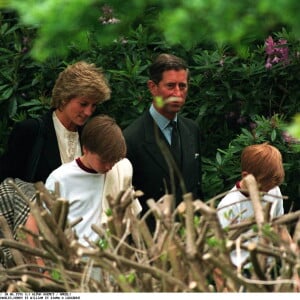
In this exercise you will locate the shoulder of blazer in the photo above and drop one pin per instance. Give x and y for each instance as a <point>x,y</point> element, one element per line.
<point>138,126</point>
<point>121,169</point>
<point>28,127</point>
<point>51,149</point>
<point>47,120</point>
<point>188,125</point>
<point>188,121</point>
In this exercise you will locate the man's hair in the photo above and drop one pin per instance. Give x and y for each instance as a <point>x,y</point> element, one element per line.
<point>103,136</point>
<point>264,162</point>
<point>80,80</point>
<point>165,62</point>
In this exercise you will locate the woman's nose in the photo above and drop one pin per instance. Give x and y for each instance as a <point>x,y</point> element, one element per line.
<point>89,110</point>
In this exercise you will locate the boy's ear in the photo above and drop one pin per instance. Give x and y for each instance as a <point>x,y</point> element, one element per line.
<point>244,174</point>
<point>84,149</point>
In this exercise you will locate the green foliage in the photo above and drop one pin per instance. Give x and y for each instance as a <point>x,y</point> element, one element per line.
<point>61,23</point>
<point>255,228</point>
<point>228,92</point>
<point>213,242</point>
<point>19,77</point>
<point>108,212</point>
<point>127,278</point>
<point>103,244</point>
<point>294,127</point>
<point>221,173</point>
<point>52,34</point>
<point>56,274</point>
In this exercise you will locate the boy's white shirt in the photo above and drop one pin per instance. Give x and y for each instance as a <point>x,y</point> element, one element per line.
<point>76,184</point>
<point>235,205</point>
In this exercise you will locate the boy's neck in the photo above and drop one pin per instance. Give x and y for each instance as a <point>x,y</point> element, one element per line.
<point>83,166</point>
<point>241,186</point>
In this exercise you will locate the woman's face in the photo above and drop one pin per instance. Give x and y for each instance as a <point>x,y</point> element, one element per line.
<point>76,112</point>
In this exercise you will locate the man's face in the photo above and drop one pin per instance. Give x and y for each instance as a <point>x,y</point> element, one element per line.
<point>172,89</point>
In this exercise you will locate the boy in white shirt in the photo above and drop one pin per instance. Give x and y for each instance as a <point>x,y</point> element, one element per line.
<point>264,162</point>
<point>102,170</point>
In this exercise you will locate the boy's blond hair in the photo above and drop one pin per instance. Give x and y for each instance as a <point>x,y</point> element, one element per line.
<point>264,162</point>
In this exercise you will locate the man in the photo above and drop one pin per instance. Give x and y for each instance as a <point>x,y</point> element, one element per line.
<point>168,84</point>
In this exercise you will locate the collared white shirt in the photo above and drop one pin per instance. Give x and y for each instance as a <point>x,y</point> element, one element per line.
<point>68,141</point>
<point>162,122</point>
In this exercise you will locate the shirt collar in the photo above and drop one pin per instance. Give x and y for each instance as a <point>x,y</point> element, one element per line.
<point>161,121</point>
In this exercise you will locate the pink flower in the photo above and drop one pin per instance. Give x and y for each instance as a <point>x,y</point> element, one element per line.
<point>269,43</point>
<point>288,138</point>
<point>276,52</point>
<point>108,16</point>
<point>268,64</point>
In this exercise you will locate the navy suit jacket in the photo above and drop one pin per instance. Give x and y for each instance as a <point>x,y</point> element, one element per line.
<point>150,169</point>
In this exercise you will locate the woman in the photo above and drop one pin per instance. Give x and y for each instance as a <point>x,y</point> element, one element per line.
<point>37,147</point>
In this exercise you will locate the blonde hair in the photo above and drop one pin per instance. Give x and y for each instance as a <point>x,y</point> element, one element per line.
<point>264,162</point>
<point>80,80</point>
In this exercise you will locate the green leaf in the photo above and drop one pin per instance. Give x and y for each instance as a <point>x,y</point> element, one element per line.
<point>219,158</point>
<point>55,274</point>
<point>103,244</point>
<point>273,135</point>
<point>6,93</point>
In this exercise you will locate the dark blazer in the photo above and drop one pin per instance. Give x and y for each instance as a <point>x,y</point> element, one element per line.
<point>150,169</point>
<point>20,146</point>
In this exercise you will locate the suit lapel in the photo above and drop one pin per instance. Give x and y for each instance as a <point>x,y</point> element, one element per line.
<point>150,145</point>
<point>152,149</point>
<point>187,143</point>
<point>52,154</point>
